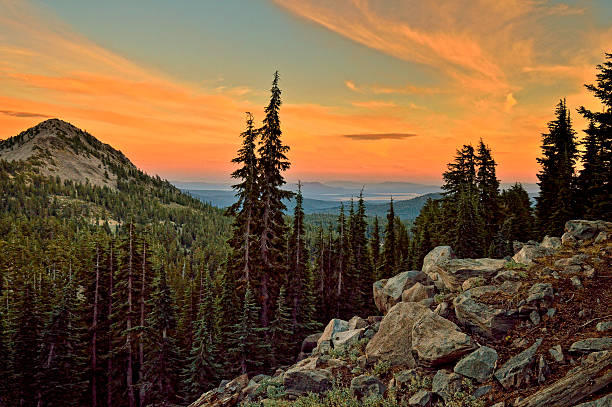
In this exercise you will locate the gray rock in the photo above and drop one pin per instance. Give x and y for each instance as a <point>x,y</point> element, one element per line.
<point>586,229</point>
<point>421,398</point>
<point>534,317</point>
<point>572,264</point>
<point>529,253</point>
<point>333,327</point>
<point>516,371</point>
<point>604,326</point>
<point>310,342</point>
<point>322,348</point>
<point>436,256</point>
<point>405,377</point>
<point>478,365</point>
<point>605,401</point>
<point>446,383</point>
<point>591,345</point>
<point>540,294</point>
<point>543,370</point>
<point>438,341</point>
<point>557,353</point>
<point>367,386</point>
<point>576,282</point>
<point>357,323</point>
<point>301,381</point>
<point>553,243</point>
<point>345,339</point>
<point>602,237</point>
<point>441,309</point>
<point>418,292</point>
<point>482,391</point>
<point>387,293</point>
<point>455,271</point>
<point>551,312</point>
<point>393,341</point>
<point>483,318</point>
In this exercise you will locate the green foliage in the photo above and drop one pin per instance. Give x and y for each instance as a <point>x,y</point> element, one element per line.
<point>381,368</point>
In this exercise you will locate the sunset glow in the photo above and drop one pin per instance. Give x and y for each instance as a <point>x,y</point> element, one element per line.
<point>438,76</point>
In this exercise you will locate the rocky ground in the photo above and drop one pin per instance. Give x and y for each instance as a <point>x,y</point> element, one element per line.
<point>534,330</point>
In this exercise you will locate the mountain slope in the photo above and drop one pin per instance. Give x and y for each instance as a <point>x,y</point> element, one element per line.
<point>57,148</point>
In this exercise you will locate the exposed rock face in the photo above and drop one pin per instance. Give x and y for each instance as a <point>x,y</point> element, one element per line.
<point>455,271</point>
<point>517,370</point>
<point>435,257</point>
<point>483,318</point>
<point>438,341</point>
<point>478,365</point>
<point>529,253</point>
<point>357,323</point>
<point>387,293</point>
<point>418,292</point>
<point>540,295</point>
<point>333,327</point>
<point>299,381</point>
<point>393,341</point>
<point>224,396</point>
<point>367,386</point>
<point>586,229</point>
<point>591,345</point>
<point>344,339</point>
<point>605,401</point>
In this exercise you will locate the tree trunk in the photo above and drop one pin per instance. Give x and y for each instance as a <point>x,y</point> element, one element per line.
<point>592,375</point>
<point>94,327</point>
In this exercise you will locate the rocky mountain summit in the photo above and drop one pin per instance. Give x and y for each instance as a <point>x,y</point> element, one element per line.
<point>57,148</point>
<point>531,331</point>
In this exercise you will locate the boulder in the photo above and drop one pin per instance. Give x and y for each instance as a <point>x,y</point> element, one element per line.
<point>486,319</point>
<point>591,345</point>
<point>605,401</point>
<point>557,353</point>
<point>602,237</point>
<point>421,398</point>
<point>357,323</point>
<point>367,386</point>
<point>405,378</point>
<point>604,326</point>
<point>438,341</point>
<point>393,341</point>
<point>418,292</point>
<point>586,229</point>
<point>387,293</point>
<point>455,271</point>
<point>540,295</point>
<point>227,394</point>
<point>333,327</point>
<point>478,365</point>
<point>445,383</point>
<point>552,243</point>
<point>473,282</point>
<point>299,381</point>
<point>436,256</point>
<point>529,253</point>
<point>310,342</point>
<point>345,339</point>
<point>517,370</point>
<point>572,264</point>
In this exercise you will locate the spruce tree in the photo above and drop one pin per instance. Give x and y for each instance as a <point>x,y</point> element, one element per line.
<point>160,371</point>
<point>5,363</point>
<point>595,186</point>
<point>375,248</point>
<point>297,267</point>
<point>241,262</point>
<point>425,235</point>
<point>271,226</point>
<point>389,252</point>
<point>468,241</point>
<point>248,345</point>
<point>519,222</point>
<point>556,201</point>
<point>488,191</point>
<point>281,332</point>
<point>461,173</point>
<point>202,367</point>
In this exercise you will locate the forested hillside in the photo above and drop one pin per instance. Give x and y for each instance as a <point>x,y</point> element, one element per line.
<point>127,292</point>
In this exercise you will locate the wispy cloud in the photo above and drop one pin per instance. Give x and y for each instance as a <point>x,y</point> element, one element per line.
<point>379,136</point>
<point>374,104</point>
<point>23,114</point>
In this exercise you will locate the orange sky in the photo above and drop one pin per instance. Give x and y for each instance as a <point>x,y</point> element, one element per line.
<point>497,78</point>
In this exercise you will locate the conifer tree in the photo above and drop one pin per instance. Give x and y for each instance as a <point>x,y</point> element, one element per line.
<point>309,323</point>
<point>425,234</point>
<point>248,345</point>
<point>518,214</point>
<point>595,185</point>
<point>390,263</point>
<point>160,371</point>
<point>342,264</point>
<point>243,241</point>
<point>488,191</point>
<point>281,331</point>
<point>556,201</point>
<point>461,173</point>
<point>468,242</point>
<point>5,366</point>
<point>297,267</point>
<point>227,307</point>
<point>202,368</point>
<point>375,248</point>
<point>364,277</point>
<point>271,226</point>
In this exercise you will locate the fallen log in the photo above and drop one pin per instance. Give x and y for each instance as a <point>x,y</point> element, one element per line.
<point>594,373</point>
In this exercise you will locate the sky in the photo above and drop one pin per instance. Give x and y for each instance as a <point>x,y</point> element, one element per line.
<point>372,90</point>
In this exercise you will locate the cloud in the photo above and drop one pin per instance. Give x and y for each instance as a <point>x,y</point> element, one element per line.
<point>351,85</point>
<point>379,136</point>
<point>510,102</point>
<point>23,114</point>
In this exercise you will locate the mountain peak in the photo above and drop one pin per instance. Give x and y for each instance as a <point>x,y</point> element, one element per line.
<point>57,148</point>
